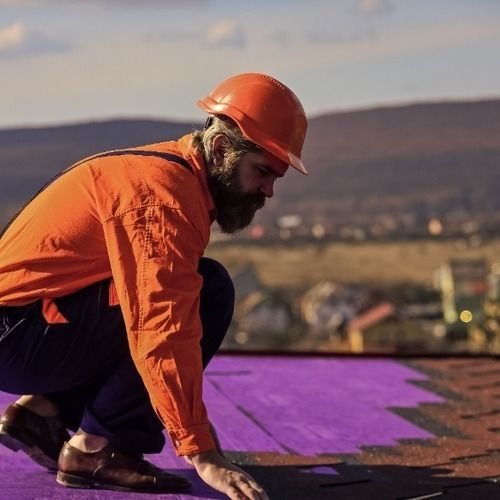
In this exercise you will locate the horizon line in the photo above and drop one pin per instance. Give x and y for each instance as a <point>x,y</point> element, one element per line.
<point>191,121</point>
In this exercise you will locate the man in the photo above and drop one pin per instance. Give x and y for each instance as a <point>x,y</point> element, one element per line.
<point>108,310</point>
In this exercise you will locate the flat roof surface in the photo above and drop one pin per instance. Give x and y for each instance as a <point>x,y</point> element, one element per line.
<point>333,427</point>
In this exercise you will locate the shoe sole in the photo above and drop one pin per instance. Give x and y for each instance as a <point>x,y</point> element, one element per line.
<point>35,453</point>
<point>72,481</point>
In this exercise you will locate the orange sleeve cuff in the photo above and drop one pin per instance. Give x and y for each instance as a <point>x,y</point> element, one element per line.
<point>192,440</point>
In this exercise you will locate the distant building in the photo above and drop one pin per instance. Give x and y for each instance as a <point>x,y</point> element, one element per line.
<point>435,227</point>
<point>489,337</point>
<point>463,285</point>
<point>263,320</point>
<point>289,225</point>
<point>327,306</point>
<point>493,281</point>
<point>358,335</point>
<point>246,282</point>
<point>382,329</point>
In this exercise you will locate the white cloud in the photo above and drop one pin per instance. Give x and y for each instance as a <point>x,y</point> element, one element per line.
<point>105,4</point>
<point>18,41</point>
<point>226,33</point>
<point>12,36</point>
<point>374,6</point>
<point>432,38</point>
<point>419,40</point>
<point>323,37</point>
<point>20,3</point>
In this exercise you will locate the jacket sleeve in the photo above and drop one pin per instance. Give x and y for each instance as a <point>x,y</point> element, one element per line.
<point>154,253</point>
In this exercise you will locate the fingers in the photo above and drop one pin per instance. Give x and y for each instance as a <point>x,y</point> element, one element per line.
<point>251,492</point>
<point>243,490</point>
<point>259,490</point>
<point>255,486</point>
<point>225,477</point>
<point>234,493</point>
<point>249,486</point>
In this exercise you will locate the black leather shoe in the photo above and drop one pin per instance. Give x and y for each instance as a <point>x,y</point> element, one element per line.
<point>41,438</point>
<point>113,470</point>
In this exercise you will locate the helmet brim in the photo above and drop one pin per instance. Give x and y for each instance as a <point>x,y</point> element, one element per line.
<point>213,108</point>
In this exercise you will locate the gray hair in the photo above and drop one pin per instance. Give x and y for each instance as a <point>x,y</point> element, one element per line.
<point>237,144</point>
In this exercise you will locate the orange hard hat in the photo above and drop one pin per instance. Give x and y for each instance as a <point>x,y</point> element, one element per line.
<point>267,112</point>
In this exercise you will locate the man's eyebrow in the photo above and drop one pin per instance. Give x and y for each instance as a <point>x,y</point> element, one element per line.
<point>269,169</point>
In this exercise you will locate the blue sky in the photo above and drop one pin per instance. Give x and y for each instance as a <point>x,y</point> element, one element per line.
<point>72,60</point>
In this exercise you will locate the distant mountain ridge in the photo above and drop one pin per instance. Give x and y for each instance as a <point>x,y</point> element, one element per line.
<point>434,155</point>
<point>31,156</point>
<point>422,158</point>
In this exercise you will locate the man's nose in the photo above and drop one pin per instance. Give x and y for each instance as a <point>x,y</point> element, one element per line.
<point>267,188</point>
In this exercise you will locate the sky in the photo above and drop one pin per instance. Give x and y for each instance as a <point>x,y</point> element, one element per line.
<point>66,61</point>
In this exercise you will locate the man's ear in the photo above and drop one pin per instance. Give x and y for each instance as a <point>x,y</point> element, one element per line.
<point>219,149</point>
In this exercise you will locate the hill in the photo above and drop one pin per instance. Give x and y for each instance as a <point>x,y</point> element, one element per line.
<point>31,156</point>
<point>423,159</point>
<point>420,160</point>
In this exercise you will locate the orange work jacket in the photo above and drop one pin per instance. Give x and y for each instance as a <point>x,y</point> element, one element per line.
<point>145,222</point>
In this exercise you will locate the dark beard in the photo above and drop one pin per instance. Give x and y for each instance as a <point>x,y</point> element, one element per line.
<point>235,209</point>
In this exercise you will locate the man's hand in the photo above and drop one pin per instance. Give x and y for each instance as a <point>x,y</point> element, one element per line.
<point>225,477</point>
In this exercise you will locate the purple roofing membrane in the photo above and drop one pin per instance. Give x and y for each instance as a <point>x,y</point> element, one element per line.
<point>311,406</point>
<point>288,405</point>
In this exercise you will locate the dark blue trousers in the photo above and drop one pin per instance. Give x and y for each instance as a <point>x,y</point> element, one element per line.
<point>85,366</point>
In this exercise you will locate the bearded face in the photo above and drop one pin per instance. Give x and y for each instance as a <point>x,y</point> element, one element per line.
<point>235,207</point>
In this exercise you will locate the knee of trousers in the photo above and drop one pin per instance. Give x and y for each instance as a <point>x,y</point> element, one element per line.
<point>216,282</point>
